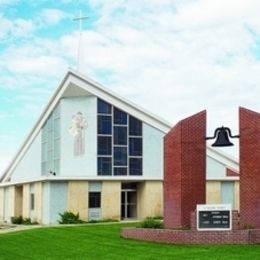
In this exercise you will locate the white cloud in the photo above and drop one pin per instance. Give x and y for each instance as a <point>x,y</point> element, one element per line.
<point>37,65</point>
<point>22,27</point>
<point>8,2</point>
<point>5,26</point>
<point>172,57</point>
<point>52,16</point>
<point>15,28</point>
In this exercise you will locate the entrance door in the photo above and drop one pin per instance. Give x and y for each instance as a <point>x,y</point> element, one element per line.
<point>128,204</point>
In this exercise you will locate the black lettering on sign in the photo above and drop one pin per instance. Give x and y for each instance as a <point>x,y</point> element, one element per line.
<point>214,219</point>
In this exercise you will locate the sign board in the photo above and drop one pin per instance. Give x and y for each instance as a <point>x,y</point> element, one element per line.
<point>214,217</point>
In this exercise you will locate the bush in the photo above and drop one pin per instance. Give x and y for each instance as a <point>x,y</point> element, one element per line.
<point>151,223</point>
<point>27,221</point>
<point>68,217</point>
<point>17,220</point>
<point>20,220</point>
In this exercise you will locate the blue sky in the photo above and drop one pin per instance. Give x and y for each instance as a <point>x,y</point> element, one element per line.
<point>173,57</point>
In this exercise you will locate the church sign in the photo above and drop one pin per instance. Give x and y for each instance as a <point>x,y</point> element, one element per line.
<point>214,217</point>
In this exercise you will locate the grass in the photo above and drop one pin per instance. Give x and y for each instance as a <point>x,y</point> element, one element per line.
<point>103,241</point>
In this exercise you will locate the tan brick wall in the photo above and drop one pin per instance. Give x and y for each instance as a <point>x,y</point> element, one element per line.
<point>18,201</point>
<point>149,199</point>
<point>12,200</point>
<point>111,199</point>
<point>26,200</point>
<point>38,201</point>
<point>213,192</point>
<point>1,204</point>
<point>78,198</point>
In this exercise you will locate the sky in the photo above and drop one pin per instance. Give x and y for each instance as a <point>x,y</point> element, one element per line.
<point>172,57</point>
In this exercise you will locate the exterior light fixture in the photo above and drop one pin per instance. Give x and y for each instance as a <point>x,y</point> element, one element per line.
<point>222,135</point>
<point>52,173</point>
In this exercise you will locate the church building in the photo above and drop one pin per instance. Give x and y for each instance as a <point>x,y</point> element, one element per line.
<point>95,153</point>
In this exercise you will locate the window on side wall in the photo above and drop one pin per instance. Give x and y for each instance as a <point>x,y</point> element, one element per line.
<point>32,201</point>
<point>94,199</point>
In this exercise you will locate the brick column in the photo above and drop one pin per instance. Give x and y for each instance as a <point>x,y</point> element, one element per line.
<point>184,170</point>
<point>249,124</point>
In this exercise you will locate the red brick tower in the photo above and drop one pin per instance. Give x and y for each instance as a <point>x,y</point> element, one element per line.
<point>249,124</point>
<point>184,170</point>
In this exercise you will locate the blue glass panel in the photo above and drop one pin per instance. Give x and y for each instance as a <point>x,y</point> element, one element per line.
<point>104,166</point>
<point>120,171</point>
<point>135,166</point>
<point>120,117</point>
<point>104,125</point>
<point>104,145</point>
<point>135,147</point>
<point>120,156</point>
<point>120,135</point>
<point>103,107</point>
<point>135,126</point>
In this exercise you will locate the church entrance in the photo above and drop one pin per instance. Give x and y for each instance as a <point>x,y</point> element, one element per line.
<point>128,201</point>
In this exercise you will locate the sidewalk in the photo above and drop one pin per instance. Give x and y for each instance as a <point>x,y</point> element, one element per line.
<point>13,228</point>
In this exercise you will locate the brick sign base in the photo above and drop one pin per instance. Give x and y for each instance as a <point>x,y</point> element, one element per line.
<point>171,236</point>
<point>192,236</point>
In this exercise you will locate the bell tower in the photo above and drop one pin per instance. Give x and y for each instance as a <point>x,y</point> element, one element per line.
<point>249,124</point>
<point>184,170</point>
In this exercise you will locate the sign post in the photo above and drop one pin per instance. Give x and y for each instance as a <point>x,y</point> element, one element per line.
<point>214,217</point>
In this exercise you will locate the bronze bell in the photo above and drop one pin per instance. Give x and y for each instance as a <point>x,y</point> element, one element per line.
<point>222,134</point>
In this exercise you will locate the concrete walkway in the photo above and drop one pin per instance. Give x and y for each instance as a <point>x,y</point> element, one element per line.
<point>14,228</point>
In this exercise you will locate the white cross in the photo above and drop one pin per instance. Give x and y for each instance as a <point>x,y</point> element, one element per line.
<point>79,18</point>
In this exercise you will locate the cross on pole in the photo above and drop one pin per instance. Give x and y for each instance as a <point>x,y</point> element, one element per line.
<point>80,18</point>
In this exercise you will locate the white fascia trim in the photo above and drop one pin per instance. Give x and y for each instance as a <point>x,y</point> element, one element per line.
<point>227,160</point>
<point>94,178</point>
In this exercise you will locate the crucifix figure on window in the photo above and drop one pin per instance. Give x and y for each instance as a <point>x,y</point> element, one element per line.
<point>77,130</point>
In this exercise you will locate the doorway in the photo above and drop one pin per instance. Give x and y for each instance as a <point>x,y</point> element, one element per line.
<point>128,201</point>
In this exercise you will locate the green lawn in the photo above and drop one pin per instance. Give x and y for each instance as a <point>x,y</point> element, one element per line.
<point>104,242</point>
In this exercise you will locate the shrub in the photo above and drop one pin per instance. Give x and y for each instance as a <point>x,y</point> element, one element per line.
<point>17,220</point>
<point>20,220</point>
<point>27,221</point>
<point>68,217</point>
<point>151,223</point>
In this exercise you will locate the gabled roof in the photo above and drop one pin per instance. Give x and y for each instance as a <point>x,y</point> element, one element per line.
<point>75,81</point>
